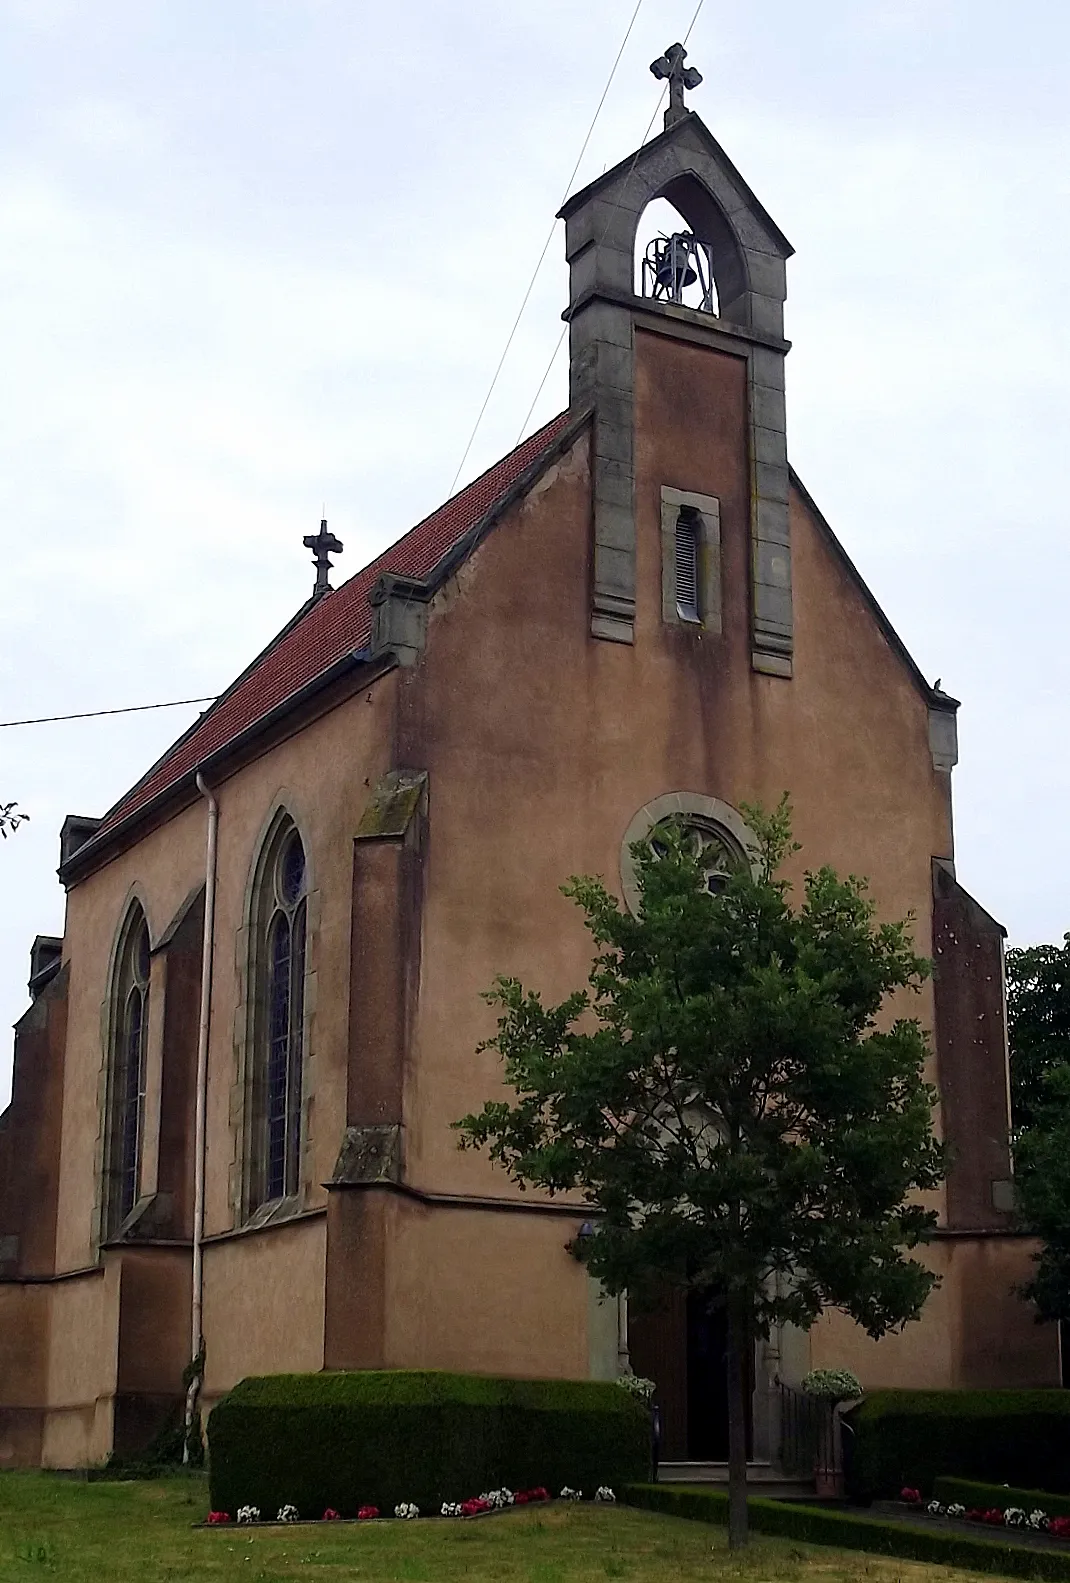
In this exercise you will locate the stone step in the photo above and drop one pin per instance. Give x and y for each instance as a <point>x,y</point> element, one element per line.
<point>762,1478</point>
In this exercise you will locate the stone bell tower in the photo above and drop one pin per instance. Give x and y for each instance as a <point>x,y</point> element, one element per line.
<point>733,238</point>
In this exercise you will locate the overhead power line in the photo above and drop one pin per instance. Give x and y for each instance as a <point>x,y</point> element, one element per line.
<point>95,714</point>
<point>627,179</point>
<point>545,248</point>
<point>176,703</point>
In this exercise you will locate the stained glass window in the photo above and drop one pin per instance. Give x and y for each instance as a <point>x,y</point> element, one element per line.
<point>279,1036</point>
<point>126,1085</point>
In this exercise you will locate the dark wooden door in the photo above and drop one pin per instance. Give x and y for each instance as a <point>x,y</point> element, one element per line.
<point>657,1346</point>
<point>679,1342</point>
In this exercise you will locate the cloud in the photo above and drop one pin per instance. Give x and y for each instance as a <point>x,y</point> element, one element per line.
<point>107,127</point>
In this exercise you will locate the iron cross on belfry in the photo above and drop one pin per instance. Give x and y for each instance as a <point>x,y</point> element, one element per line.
<point>671,65</point>
<point>322,545</point>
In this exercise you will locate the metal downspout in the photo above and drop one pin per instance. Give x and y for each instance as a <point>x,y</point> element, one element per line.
<point>200,1128</point>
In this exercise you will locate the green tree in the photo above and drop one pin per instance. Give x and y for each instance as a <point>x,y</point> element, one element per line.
<point>1038,1024</point>
<point>10,818</point>
<point>721,1093</point>
<point>1042,1188</point>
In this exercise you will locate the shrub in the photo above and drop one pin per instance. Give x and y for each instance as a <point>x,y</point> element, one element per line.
<point>832,1385</point>
<point>967,1492</point>
<point>914,1437</point>
<point>849,1530</point>
<point>379,1437</point>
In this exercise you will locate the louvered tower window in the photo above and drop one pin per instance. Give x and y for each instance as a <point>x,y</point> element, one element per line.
<point>691,561</point>
<point>686,565</point>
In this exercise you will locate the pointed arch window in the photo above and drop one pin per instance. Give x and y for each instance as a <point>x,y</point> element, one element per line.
<point>278,1042</point>
<point>127,1069</point>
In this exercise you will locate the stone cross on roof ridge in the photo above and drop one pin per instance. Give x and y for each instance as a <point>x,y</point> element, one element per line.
<point>322,545</point>
<point>671,65</point>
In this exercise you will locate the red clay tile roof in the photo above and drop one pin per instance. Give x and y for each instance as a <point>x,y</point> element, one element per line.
<point>338,624</point>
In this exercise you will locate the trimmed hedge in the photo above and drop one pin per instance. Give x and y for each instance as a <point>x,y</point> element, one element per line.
<point>816,1525</point>
<point>915,1437</point>
<point>377,1437</point>
<point>983,1496</point>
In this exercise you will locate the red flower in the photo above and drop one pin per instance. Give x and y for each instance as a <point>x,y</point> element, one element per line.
<point>330,1515</point>
<point>1060,1527</point>
<point>993,1516</point>
<point>521,1498</point>
<point>368,1511</point>
<point>975,1515</point>
<point>911,1496</point>
<point>215,1518</point>
<point>474,1506</point>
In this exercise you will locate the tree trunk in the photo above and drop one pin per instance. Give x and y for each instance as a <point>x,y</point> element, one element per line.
<point>739,1339</point>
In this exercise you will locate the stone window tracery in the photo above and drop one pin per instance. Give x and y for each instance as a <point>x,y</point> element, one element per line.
<point>709,843</point>
<point>713,831</point>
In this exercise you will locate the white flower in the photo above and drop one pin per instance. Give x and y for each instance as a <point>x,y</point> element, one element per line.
<point>248,1514</point>
<point>636,1386</point>
<point>569,1494</point>
<point>935,1509</point>
<point>1037,1519</point>
<point>406,1509</point>
<point>956,1509</point>
<point>604,1493</point>
<point>286,1514</point>
<point>1015,1517</point>
<point>451,1508</point>
<point>497,1500</point>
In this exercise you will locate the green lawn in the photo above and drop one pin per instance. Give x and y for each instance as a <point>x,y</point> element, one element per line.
<point>56,1528</point>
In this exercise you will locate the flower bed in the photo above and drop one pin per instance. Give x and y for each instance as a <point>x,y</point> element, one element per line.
<point>498,1500</point>
<point>989,1550</point>
<point>972,1493</point>
<point>1001,1514</point>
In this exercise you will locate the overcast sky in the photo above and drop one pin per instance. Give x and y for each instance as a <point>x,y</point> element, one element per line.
<point>261,255</point>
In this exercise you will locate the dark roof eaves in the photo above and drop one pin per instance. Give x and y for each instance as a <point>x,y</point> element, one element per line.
<point>934,699</point>
<point>40,981</point>
<point>101,848</point>
<point>692,118</point>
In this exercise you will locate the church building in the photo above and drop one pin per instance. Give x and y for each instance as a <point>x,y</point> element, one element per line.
<point>235,1083</point>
